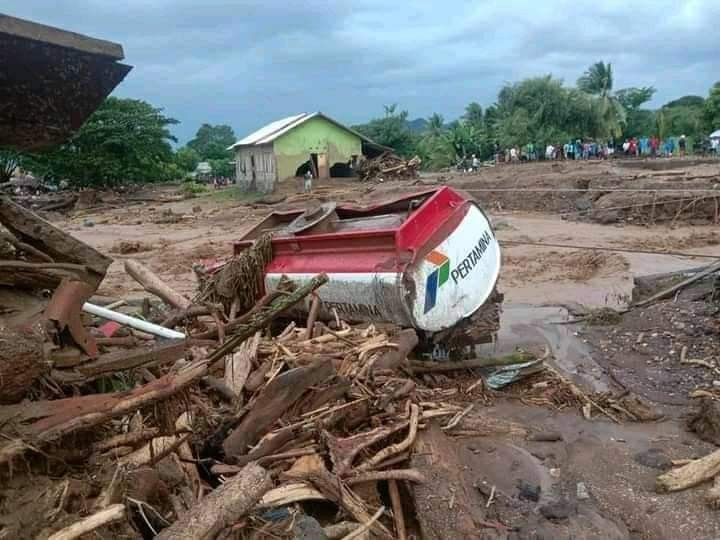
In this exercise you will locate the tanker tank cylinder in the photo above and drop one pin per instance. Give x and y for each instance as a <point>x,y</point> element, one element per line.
<point>428,261</point>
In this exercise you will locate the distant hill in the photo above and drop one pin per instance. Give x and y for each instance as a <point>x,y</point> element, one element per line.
<point>418,125</point>
<point>686,101</point>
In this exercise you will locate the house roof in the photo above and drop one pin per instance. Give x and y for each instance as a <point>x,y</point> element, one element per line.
<point>273,130</point>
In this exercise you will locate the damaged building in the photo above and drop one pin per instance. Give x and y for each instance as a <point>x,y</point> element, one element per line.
<point>292,146</point>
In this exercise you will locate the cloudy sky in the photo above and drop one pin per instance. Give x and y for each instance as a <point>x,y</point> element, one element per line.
<point>246,62</point>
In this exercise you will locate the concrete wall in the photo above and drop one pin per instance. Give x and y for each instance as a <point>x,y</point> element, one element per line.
<point>255,168</point>
<point>315,136</point>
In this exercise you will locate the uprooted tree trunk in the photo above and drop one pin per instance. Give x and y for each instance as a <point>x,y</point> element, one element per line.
<point>21,362</point>
<point>692,474</point>
<point>45,421</point>
<point>221,508</point>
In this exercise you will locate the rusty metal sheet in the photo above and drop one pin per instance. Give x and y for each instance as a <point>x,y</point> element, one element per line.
<point>64,310</point>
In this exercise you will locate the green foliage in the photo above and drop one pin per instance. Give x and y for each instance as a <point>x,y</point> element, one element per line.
<point>474,116</point>
<point>193,188</point>
<point>711,109</point>
<point>609,112</point>
<point>392,130</point>
<point>680,120</point>
<point>597,80</point>
<point>222,167</point>
<point>685,101</point>
<point>640,122</point>
<point>543,111</point>
<point>125,140</point>
<point>187,159</point>
<point>633,98</point>
<point>9,160</point>
<point>212,142</point>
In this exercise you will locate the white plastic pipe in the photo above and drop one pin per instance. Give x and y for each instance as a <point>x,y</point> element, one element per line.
<point>132,322</point>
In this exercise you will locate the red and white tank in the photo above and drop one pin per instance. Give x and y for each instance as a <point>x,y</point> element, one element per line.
<point>427,260</point>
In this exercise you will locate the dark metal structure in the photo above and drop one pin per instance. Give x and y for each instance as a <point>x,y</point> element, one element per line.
<point>51,81</point>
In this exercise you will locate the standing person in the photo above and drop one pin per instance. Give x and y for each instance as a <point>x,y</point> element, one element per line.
<point>496,151</point>
<point>513,154</point>
<point>307,184</point>
<point>626,147</point>
<point>682,143</point>
<point>549,151</point>
<point>475,163</point>
<point>654,143</point>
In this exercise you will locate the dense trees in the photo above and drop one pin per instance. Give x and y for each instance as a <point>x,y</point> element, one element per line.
<point>125,140</point>
<point>711,109</point>
<point>209,144</point>
<point>542,110</point>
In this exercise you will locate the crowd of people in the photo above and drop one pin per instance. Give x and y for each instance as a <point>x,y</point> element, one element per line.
<point>578,149</point>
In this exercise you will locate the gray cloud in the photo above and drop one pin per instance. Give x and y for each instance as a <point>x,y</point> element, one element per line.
<point>248,62</point>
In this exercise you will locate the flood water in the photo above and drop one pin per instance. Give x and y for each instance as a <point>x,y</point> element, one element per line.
<point>532,328</point>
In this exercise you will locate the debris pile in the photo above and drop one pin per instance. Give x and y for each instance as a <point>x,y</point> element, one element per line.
<point>248,425</point>
<point>388,166</point>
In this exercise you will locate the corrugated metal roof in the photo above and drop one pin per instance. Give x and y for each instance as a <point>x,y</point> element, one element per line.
<point>273,130</point>
<point>256,136</point>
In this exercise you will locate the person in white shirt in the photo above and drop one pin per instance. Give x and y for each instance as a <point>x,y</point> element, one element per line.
<point>549,150</point>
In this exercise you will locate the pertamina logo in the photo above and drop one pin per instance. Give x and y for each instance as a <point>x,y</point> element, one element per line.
<point>437,278</point>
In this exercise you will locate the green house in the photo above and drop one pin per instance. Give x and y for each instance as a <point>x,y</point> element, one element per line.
<point>290,147</point>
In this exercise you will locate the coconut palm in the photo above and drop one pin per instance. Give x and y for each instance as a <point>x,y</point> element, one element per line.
<point>598,81</point>
<point>436,125</point>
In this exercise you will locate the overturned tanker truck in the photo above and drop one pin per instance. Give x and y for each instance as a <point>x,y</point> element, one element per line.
<point>429,261</point>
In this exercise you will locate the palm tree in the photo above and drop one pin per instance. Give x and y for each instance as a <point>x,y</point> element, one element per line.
<point>436,125</point>
<point>598,81</point>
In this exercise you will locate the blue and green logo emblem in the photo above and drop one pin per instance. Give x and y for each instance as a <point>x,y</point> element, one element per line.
<point>437,278</point>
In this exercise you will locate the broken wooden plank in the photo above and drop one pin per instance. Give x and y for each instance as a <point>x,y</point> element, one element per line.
<point>164,353</point>
<point>274,400</point>
<point>31,229</point>
<point>239,364</point>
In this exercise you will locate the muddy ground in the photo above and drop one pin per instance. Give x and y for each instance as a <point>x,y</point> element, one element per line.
<point>597,479</point>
